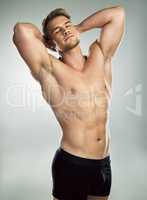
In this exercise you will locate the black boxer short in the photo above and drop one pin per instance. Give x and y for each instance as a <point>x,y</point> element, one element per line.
<point>74,177</point>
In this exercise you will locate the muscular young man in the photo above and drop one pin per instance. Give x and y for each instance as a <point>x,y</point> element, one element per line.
<point>78,89</point>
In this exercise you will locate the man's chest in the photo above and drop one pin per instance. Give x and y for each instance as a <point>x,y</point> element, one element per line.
<point>68,85</point>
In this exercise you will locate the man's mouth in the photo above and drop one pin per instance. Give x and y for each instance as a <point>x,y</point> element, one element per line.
<point>68,37</point>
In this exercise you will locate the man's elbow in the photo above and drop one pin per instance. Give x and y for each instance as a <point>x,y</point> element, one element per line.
<point>18,30</point>
<point>21,30</point>
<point>120,11</point>
<point>26,30</point>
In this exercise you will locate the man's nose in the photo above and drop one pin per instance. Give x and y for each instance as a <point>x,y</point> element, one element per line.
<point>65,31</point>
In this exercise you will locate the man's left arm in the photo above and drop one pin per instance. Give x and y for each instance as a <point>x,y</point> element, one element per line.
<point>111,21</point>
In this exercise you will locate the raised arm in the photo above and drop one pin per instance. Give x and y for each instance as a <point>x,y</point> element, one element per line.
<point>111,21</point>
<point>29,42</point>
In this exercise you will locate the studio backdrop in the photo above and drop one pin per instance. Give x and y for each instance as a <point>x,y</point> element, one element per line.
<point>29,131</point>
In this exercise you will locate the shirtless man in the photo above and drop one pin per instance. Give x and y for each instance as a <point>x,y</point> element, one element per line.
<point>78,89</point>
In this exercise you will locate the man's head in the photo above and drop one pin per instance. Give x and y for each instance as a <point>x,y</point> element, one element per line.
<point>59,31</point>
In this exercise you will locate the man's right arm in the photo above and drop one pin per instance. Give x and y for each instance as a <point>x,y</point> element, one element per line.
<point>29,42</point>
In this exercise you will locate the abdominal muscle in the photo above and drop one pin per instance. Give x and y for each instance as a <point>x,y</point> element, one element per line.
<point>85,132</point>
<point>87,144</point>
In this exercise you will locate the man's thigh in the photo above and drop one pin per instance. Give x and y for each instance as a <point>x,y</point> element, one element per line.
<point>97,198</point>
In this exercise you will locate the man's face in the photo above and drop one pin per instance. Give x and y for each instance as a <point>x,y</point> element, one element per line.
<point>64,33</point>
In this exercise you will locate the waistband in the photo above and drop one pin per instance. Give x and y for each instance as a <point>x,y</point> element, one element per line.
<point>81,160</point>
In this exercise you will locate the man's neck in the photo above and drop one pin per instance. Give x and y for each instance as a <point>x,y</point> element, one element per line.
<point>74,58</point>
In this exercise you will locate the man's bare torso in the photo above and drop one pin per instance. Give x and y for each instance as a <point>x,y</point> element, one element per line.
<point>80,100</point>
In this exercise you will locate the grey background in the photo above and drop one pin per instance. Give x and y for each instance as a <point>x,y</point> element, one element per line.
<point>29,132</point>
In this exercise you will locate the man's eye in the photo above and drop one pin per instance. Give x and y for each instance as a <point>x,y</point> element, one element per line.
<point>57,31</point>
